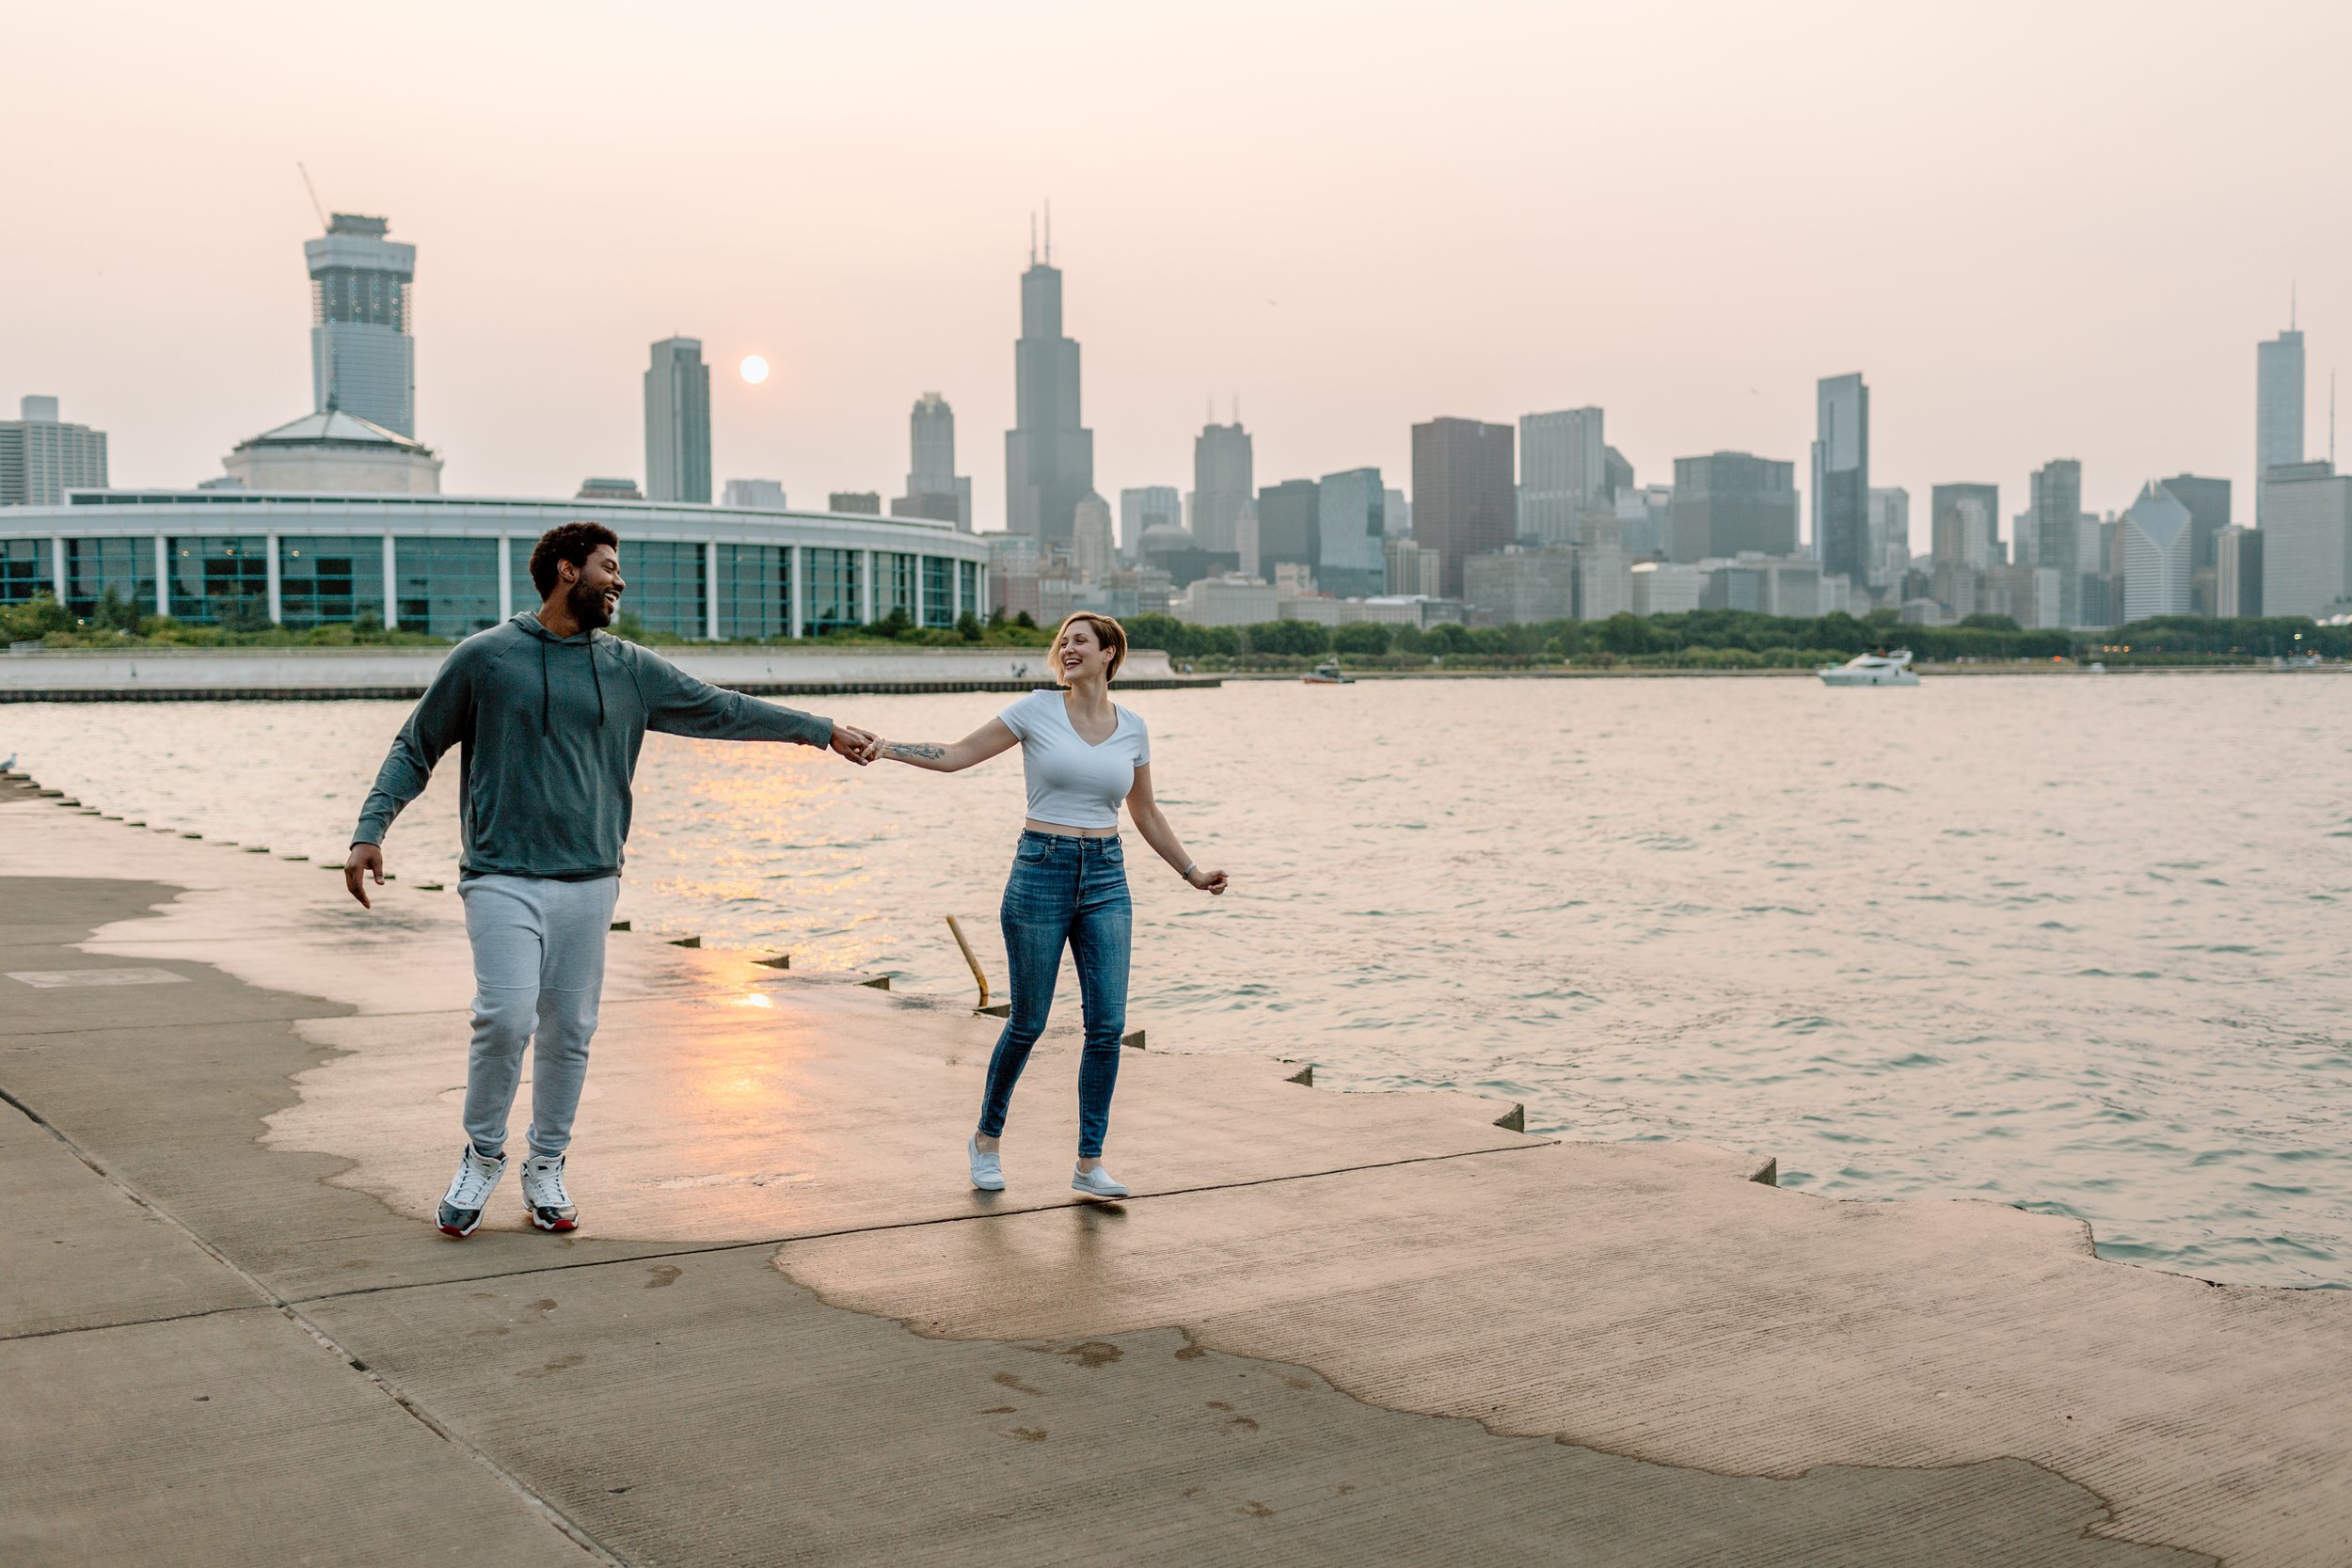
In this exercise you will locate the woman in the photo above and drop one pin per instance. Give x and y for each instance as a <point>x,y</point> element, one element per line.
<point>1083,755</point>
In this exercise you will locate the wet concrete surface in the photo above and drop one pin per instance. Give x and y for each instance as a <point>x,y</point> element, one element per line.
<point>821,1436</point>
<point>1333,1328</point>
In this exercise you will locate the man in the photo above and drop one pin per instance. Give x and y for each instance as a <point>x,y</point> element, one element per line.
<point>549,712</point>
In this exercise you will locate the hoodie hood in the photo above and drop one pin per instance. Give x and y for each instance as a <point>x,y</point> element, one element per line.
<point>530,622</point>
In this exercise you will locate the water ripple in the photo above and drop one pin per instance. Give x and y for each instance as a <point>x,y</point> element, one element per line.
<point>2053,944</point>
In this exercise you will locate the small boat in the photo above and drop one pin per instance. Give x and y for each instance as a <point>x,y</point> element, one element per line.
<point>1327,674</point>
<point>1874,669</point>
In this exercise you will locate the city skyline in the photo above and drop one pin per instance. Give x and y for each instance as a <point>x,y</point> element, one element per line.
<point>1984,356</point>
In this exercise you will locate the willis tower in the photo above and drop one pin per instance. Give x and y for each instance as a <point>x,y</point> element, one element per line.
<point>1049,456</point>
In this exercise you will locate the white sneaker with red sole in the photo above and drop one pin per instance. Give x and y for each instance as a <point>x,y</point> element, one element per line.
<point>544,1194</point>
<point>468,1193</point>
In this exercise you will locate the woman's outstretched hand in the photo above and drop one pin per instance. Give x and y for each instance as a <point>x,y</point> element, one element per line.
<point>1207,882</point>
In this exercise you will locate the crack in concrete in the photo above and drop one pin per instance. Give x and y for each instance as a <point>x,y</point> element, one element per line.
<point>270,1298</point>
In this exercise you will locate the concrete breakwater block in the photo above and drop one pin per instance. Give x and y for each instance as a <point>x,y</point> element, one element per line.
<point>686,942</point>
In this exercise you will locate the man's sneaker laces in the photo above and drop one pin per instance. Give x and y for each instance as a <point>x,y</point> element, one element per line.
<point>546,1195</point>
<point>469,1192</point>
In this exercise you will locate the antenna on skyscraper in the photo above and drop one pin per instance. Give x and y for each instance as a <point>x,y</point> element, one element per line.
<point>1033,239</point>
<point>315,205</point>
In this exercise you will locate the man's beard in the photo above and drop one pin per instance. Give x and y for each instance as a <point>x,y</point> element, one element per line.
<point>587,607</point>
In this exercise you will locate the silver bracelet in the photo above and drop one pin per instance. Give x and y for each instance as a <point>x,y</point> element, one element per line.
<point>1190,866</point>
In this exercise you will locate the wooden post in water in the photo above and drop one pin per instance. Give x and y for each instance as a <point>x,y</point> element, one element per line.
<point>978,977</point>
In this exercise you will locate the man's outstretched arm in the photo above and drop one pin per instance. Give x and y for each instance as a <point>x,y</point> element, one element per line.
<point>677,703</point>
<point>439,721</point>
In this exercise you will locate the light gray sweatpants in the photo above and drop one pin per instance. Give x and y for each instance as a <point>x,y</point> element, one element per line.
<point>538,970</point>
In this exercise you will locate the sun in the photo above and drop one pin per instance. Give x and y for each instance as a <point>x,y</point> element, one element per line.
<point>754,369</point>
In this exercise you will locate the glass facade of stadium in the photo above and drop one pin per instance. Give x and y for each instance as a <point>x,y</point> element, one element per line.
<point>452,565</point>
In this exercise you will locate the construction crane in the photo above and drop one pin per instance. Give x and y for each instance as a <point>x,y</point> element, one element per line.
<point>315,205</point>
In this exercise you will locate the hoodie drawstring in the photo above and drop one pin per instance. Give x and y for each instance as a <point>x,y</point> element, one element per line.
<point>546,700</point>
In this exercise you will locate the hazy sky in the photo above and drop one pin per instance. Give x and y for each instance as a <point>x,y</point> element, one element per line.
<point>2039,229</point>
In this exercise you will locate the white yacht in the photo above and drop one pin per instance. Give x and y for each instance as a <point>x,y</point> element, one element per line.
<point>1873,670</point>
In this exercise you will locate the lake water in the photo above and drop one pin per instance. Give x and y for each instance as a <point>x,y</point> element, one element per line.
<point>2074,942</point>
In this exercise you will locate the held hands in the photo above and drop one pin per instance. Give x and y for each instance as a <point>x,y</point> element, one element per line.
<point>1207,882</point>
<point>364,859</point>
<point>857,745</point>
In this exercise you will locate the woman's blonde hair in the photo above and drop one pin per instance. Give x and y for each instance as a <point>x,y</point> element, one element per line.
<point>1106,631</point>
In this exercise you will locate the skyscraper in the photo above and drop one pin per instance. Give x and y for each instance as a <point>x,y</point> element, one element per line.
<point>1962,521</point>
<point>2307,541</point>
<point>1730,501</point>
<point>1049,454</point>
<point>1288,527</point>
<point>2057,515</point>
<point>1563,468</point>
<point>363,348</point>
<point>2237,559</point>
<point>1841,476</point>
<point>2208,503</point>
<point>41,457</point>
<point>935,489</point>
<point>1247,546</point>
<point>677,422</point>
<point>1464,501</point>
<point>2159,553</point>
<point>1092,554</point>
<point>762,495</point>
<point>1889,551</point>
<point>1616,471</point>
<point>1223,477</point>
<point>1145,506</point>
<point>1350,510</point>
<point>2278,407</point>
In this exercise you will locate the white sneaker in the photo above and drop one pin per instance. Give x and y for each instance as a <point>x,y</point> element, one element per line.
<point>468,1193</point>
<point>988,1172</point>
<point>551,1206</point>
<point>1097,1182</point>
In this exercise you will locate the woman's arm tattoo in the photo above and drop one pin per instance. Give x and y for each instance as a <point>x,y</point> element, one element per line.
<point>912,749</point>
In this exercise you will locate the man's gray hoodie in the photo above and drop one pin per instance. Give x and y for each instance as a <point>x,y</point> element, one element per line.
<point>551,728</point>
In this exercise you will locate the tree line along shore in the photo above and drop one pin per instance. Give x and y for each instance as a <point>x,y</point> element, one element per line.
<point>1699,639</point>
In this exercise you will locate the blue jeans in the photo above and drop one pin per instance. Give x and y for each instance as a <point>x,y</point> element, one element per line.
<point>1064,890</point>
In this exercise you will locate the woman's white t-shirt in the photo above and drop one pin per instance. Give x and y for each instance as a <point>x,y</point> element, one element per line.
<point>1072,784</point>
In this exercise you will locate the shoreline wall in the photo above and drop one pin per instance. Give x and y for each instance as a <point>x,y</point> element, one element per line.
<point>282,674</point>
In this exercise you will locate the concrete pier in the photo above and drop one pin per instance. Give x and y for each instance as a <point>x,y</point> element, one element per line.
<point>1328,1328</point>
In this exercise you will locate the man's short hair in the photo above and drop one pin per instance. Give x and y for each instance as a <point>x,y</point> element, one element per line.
<point>572,542</point>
